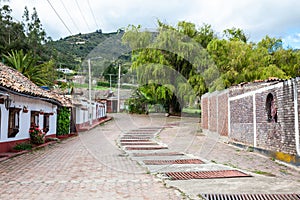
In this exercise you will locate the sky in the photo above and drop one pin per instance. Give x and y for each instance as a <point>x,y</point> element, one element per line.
<point>257,18</point>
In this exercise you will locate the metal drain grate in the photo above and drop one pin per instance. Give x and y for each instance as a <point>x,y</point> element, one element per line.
<point>145,148</point>
<point>170,162</point>
<point>251,196</point>
<point>157,154</point>
<point>137,143</point>
<point>206,174</point>
<point>135,138</point>
<point>140,133</point>
<point>122,140</point>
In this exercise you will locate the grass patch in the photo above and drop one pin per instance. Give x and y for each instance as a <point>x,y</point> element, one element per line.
<point>250,149</point>
<point>230,165</point>
<point>23,146</point>
<point>263,173</point>
<point>191,110</point>
<point>284,171</point>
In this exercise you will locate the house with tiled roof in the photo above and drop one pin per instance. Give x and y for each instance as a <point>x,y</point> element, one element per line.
<point>23,103</point>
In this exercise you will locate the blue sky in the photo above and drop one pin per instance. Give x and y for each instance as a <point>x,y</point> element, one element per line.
<point>276,18</point>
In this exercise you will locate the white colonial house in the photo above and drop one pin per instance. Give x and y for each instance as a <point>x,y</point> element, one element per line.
<point>23,103</point>
<point>88,114</point>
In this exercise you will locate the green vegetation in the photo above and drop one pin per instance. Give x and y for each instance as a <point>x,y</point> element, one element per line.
<point>63,121</point>
<point>174,66</point>
<point>23,146</point>
<point>263,173</point>
<point>178,59</point>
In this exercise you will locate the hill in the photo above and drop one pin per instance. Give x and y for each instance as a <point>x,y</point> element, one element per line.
<point>70,51</point>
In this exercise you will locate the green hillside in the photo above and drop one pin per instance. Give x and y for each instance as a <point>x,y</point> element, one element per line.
<point>70,51</point>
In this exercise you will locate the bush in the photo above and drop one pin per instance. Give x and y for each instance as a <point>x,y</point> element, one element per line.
<point>63,121</point>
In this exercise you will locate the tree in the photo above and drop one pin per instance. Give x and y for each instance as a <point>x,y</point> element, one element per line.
<point>43,74</point>
<point>235,34</point>
<point>168,59</point>
<point>11,33</point>
<point>35,34</point>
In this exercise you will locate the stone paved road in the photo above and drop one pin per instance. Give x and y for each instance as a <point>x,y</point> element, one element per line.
<point>90,166</point>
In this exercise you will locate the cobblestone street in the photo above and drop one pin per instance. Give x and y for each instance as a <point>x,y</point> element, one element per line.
<point>90,166</point>
<point>94,166</point>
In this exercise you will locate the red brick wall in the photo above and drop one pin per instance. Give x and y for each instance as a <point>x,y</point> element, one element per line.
<point>214,112</point>
<point>223,114</point>
<point>204,112</point>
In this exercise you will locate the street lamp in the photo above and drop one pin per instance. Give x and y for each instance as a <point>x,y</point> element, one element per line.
<point>90,90</point>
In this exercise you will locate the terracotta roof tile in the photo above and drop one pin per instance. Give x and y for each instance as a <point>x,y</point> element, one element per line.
<point>15,81</point>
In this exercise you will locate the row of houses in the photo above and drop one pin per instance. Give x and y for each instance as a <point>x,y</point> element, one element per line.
<point>22,103</point>
<point>262,116</point>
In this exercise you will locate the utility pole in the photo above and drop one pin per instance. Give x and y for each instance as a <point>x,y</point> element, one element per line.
<point>90,94</point>
<point>119,83</point>
<point>110,80</point>
<point>90,109</point>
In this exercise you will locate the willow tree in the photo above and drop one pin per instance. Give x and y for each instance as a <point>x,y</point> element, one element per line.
<point>169,61</point>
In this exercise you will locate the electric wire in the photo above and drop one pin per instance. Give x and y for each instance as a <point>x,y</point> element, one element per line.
<point>68,13</point>
<point>60,17</point>
<point>92,14</point>
<point>82,14</point>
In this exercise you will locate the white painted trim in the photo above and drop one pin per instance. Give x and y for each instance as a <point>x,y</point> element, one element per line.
<point>296,114</point>
<point>250,93</point>
<point>208,113</point>
<point>254,121</point>
<point>228,113</point>
<point>217,101</point>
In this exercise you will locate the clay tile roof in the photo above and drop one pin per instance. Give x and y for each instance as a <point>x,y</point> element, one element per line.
<point>14,81</point>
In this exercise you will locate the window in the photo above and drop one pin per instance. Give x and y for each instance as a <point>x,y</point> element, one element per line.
<point>34,118</point>
<point>271,108</point>
<point>13,122</point>
<point>46,122</point>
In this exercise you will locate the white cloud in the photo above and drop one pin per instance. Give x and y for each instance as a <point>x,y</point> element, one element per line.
<point>258,18</point>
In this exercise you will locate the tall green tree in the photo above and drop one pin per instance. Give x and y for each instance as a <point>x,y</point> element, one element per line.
<point>35,34</point>
<point>11,33</point>
<point>169,58</point>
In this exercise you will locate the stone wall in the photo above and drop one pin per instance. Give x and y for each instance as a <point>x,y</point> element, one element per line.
<point>249,122</point>
<point>214,112</point>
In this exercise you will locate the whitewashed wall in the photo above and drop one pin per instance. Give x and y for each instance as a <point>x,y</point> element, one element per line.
<point>82,115</point>
<point>24,123</point>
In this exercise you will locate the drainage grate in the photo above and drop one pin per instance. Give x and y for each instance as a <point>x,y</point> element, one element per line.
<point>139,133</point>
<point>145,148</point>
<point>133,138</point>
<point>122,140</point>
<point>158,154</point>
<point>170,162</point>
<point>251,196</point>
<point>138,143</point>
<point>206,174</point>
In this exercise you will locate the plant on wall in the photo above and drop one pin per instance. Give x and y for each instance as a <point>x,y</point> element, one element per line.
<point>63,121</point>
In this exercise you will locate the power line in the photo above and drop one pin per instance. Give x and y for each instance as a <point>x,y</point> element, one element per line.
<point>70,16</point>
<point>82,14</point>
<point>60,17</point>
<point>92,13</point>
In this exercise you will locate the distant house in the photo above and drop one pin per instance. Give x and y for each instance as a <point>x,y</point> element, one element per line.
<point>23,103</point>
<point>65,70</point>
<point>87,114</point>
